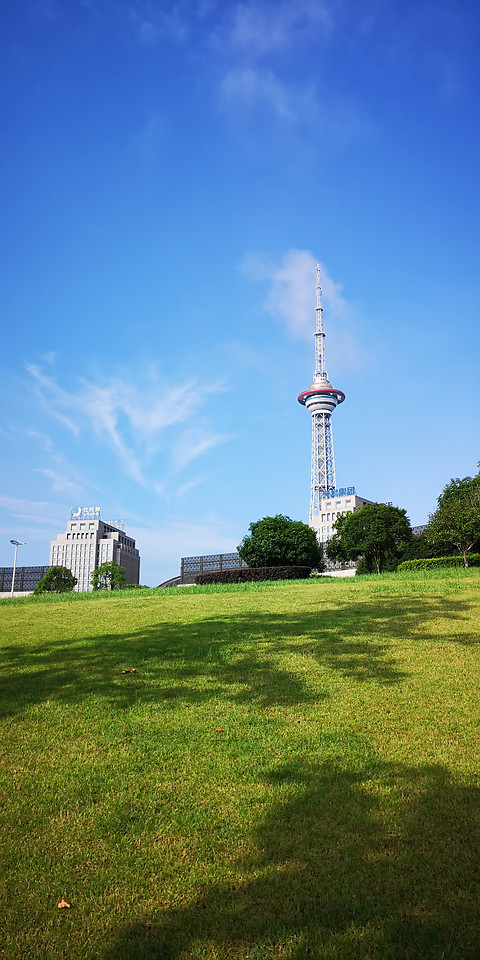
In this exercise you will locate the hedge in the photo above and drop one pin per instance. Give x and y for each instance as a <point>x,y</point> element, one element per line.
<point>431,563</point>
<point>246,574</point>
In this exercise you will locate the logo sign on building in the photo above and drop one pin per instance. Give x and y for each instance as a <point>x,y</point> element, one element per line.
<point>85,513</point>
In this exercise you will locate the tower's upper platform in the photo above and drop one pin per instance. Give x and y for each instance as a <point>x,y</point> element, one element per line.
<point>321,397</point>
<point>324,389</point>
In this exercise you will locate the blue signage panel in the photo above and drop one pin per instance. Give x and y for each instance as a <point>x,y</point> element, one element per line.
<point>338,492</point>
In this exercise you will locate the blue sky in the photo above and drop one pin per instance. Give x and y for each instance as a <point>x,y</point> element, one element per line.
<point>171,171</point>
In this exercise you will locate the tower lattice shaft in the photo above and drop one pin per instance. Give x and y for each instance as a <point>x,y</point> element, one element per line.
<point>323,462</point>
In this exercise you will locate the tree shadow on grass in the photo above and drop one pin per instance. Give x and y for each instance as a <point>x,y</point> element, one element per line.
<point>374,863</point>
<point>236,657</point>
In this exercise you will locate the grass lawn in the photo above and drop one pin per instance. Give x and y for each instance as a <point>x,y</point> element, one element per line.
<point>291,772</point>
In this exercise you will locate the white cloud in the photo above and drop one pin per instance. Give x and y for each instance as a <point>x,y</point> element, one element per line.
<point>291,298</point>
<point>50,358</point>
<point>250,75</point>
<point>130,420</point>
<point>52,397</point>
<point>154,22</point>
<point>192,443</point>
<point>33,511</point>
<point>189,486</point>
<point>257,28</point>
<point>292,289</point>
<point>43,439</point>
<point>60,483</point>
<point>250,88</point>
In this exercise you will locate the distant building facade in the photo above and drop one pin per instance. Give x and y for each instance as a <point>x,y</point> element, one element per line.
<point>89,542</point>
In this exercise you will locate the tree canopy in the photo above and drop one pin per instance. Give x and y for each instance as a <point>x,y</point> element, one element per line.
<point>372,532</point>
<point>457,517</point>
<point>56,580</point>
<point>280,541</point>
<point>108,576</point>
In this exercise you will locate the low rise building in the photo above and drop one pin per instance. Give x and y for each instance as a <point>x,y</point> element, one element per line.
<point>338,502</point>
<point>341,500</point>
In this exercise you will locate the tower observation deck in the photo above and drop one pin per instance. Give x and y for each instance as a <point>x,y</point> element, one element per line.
<point>321,399</point>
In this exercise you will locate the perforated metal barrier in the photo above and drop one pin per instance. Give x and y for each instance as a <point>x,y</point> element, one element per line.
<point>190,566</point>
<point>26,578</point>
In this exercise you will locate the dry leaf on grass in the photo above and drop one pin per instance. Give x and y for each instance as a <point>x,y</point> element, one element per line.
<point>62,903</point>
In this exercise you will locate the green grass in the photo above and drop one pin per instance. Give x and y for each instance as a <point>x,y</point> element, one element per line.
<point>292,772</point>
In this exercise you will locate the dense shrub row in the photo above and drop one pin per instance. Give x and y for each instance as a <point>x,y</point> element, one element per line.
<point>253,573</point>
<point>431,562</point>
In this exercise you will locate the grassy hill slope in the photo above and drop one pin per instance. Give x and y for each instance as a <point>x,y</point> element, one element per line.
<point>291,772</point>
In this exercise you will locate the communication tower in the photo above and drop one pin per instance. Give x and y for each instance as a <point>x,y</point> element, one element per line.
<point>321,399</point>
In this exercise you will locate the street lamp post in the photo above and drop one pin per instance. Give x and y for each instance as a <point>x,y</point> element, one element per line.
<point>17,544</point>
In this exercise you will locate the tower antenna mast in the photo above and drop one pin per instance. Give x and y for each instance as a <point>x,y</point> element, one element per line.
<point>321,399</point>
<point>320,371</point>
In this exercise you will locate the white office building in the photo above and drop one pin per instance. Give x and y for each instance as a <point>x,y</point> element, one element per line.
<point>333,507</point>
<point>89,542</point>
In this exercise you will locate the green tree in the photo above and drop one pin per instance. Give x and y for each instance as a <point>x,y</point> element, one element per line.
<point>108,576</point>
<point>457,517</point>
<point>373,532</point>
<point>56,580</point>
<point>278,541</point>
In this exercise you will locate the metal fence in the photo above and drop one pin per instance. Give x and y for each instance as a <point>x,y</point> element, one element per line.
<point>26,578</point>
<point>190,566</point>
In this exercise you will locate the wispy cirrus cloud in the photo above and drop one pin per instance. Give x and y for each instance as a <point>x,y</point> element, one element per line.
<point>32,511</point>
<point>60,482</point>
<point>132,421</point>
<point>194,442</point>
